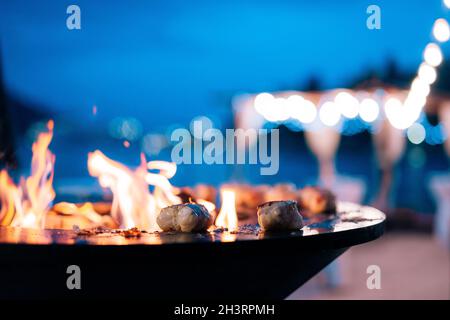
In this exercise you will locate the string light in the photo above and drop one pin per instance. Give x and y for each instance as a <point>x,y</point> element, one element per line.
<point>329,114</point>
<point>294,105</point>
<point>401,115</point>
<point>447,3</point>
<point>398,115</point>
<point>309,112</point>
<point>420,87</point>
<point>280,110</point>
<point>347,104</point>
<point>441,30</point>
<point>301,109</point>
<point>427,73</point>
<point>369,110</point>
<point>433,55</point>
<point>263,102</point>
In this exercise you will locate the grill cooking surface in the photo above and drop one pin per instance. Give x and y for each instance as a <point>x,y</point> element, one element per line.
<point>350,218</point>
<point>34,262</point>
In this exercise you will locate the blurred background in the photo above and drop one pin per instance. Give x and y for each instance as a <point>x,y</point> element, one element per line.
<point>135,72</point>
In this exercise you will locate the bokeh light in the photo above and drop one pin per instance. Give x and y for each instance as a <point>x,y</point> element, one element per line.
<point>347,104</point>
<point>153,143</point>
<point>399,117</point>
<point>416,133</point>
<point>206,123</point>
<point>441,30</point>
<point>447,3</point>
<point>280,111</point>
<point>369,110</point>
<point>273,109</point>
<point>263,102</point>
<point>329,114</point>
<point>420,87</point>
<point>427,73</point>
<point>125,128</point>
<point>433,55</point>
<point>301,109</point>
<point>435,134</point>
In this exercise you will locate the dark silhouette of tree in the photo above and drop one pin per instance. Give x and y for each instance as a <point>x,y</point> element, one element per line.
<point>312,84</point>
<point>391,73</point>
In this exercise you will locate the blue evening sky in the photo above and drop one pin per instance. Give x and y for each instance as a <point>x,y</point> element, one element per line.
<point>166,62</point>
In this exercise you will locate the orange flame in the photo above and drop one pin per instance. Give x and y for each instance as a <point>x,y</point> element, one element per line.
<point>227,217</point>
<point>26,204</point>
<point>133,204</point>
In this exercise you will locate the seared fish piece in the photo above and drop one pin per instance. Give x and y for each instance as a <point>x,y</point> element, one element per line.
<point>187,217</point>
<point>279,215</point>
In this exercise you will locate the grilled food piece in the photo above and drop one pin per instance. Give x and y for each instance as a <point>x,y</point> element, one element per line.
<point>281,191</point>
<point>314,200</point>
<point>187,217</point>
<point>279,215</point>
<point>200,191</point>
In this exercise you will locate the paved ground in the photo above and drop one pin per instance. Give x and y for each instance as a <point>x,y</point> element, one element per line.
<point>412,266</point>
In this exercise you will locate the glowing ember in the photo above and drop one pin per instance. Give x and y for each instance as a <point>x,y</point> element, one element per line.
<point>84,214</point>
<point>227,217</point>
<point>133,204</point>
<point>26,204</point>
